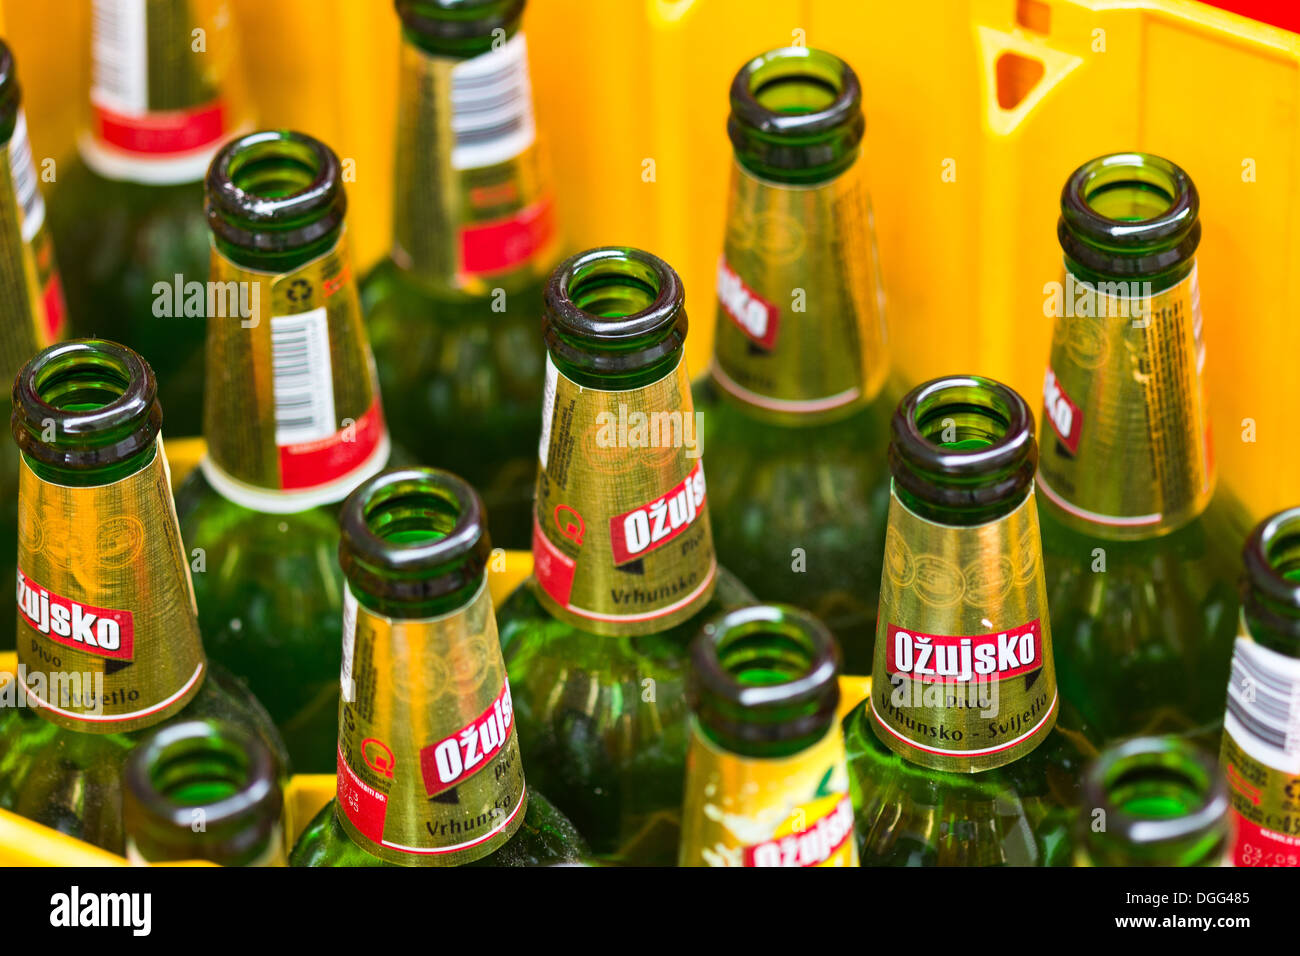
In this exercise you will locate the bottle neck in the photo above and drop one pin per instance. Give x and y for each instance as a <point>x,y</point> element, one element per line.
<point>428,693</point>
<point>26,328</point>
<point>473,209</point>
<point>311,427</point>
<point>160,98</point>
<point>203,790</point>
<point>799,335</point>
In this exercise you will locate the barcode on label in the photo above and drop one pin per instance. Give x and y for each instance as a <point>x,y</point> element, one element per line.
<point>302,377</point>
<point>120,54</point>
<point>1264,705</point>
<point>23,171</point>
<point>492,106</point>
<point>349,644</point>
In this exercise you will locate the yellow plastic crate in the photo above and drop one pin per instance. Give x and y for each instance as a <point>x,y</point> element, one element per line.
<point>977,110</point>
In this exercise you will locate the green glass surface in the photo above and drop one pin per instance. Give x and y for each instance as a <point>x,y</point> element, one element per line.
<point>116,239</point>
<point>462,387</point>
<point>822,489</point>
<point>545,838</point>
<point>8,528</point>
<point>1016,815</point>
<point>270,609</point>
<point>603,721</point>
<point>1144,647</point>
<point>72,781</point>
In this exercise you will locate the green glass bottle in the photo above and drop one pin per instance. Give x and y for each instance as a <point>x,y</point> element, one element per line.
<point>108,637</point>
<point>766,780</point>
<point>203,790</point>
<point>127,210</point>
<point>1153,801</point>
<point>964,753</point>
<point>1259,755</point>
<point>624,572</point>
<point>453,309</point>
<point>429,766</point>
<point>797,402</point>
<point>293,423</point>
<point>1138,541</point>
<point>30,291</point>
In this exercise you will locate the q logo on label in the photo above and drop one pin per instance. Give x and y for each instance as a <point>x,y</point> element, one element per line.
<point>574,528</point>
<point>378,757</point>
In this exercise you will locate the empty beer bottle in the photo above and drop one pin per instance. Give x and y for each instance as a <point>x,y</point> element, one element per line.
<point>128,211</point>
<point>30,292</point>
<point>108,638</point>
<point>1153,801</point>
<point>453,310</point>
<point>1259,755</point>
<point>293,423</point>
<point>766,782</point>
<point>1137,542</point>
<point>203,790</point>
<point>624,573</point>
<point>961,756</point>
<point>429,769</point>
<point>796,404</point>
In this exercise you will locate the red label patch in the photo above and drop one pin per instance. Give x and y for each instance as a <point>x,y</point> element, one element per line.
<point>553,568</point>
<point>950,659</point>
<point>636,533</point>
<point>813,847</point>
<point>56,308</point>
<point>506,243</point>
<point>1256,846</point>
<point>163,132</point>
<point>1062,412</point>
<point>750,312</point>
<point>365,806</point>
<point>460,755</point>
<point>314,463</point>
<point>96,630</point>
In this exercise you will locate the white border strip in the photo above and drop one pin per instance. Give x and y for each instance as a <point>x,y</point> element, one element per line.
<point>781,405</point>
<point>966,753</point>
<point>1094,517</point>
<point>107,718</point>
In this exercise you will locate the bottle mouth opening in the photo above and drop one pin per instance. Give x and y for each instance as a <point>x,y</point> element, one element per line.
<point>458,19</point>
<point>413,535</point>
<point>1157,791</point>
<point>275,190</point>
<point>200,763</point>
<point>1135,207</point>
<point>753,666</point>
<point>962,440</point>
<point>614,308</point>
<point>1271,587</point>
<point>99,397</point>
<point>796,91</point>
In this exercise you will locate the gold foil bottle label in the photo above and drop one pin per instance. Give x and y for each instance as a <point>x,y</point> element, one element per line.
<point>429,772</point>
<point>1261,755</point>
<point>800,328</point>
<point>621,536</point>
<point>293,412</point>
<point>470,169</point>
<point>1123,389</point>
<point>782,811</point>
<point>108,638</point>
<point>963,677</point>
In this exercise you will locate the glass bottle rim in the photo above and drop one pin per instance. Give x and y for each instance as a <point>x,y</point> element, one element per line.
<point>244,217</point>
<point>88,438</point>
<point>1170,755</point>
<point>459,19</point>
<point>1264,587</point>
<point>956,478</point>
<point>618,341</point>
<point>11,94</point>
<point>761,712</point>
<point>259,793</point>
<point>414,572</point>
<point>1129,246</point>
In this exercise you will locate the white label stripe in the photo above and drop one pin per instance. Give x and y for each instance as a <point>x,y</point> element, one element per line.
<point>966,753</point>
<point>108,718</point>
<point>437,851</point>
<point>652,615</point>
<point>1093,516</point>
<point>780,404</point>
